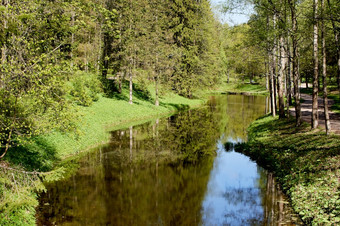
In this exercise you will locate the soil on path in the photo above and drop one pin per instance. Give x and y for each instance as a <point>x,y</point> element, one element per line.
<point>306,112</point>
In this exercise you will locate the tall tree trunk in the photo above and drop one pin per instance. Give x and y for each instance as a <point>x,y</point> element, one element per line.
<point>315,113</point>
<point>130,86</point>
<point>267,74</point>
<point>336,37</point>
<point>156,89</point>
<point>324,70</point>
<point>288,77</point>
<point>272,86</point>
<point>271,75</point>
<point>120,79</point>
<point>295,62</point>
<point>274,65</point>
<point>280,78</point>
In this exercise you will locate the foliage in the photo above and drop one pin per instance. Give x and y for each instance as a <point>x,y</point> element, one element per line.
<point>17,197</point>
<point>85,88</point>
<point>244,53</point>
<point>240,87</point>
<point>305,163</point>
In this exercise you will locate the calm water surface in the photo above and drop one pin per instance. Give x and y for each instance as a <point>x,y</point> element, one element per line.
<point>181,170</point>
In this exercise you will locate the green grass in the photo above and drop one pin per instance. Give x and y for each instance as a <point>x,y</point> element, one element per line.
<point>235,86</point>
<point>336,106</point>
<point>93,126</point>
<point>18,197</point>
<point>305,162</point>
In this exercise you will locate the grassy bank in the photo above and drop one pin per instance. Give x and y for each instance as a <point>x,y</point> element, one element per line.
<point>241,88</point>
<point>305,162</point>
<point>18,186</point>
<point>18,197</point>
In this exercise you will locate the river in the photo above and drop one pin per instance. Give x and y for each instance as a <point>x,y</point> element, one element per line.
<point>180,170</point>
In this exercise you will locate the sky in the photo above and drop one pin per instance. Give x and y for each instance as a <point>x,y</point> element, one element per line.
<point>230,18</point>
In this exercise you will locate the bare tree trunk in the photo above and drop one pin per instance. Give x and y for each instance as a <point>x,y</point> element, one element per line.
<point>156,87</point>
<point>120,79</point>
<point>315,113</point>
<point>324,70</point>
<point>267,74</point>
<point>295,62</point>
<point>271,69</point>
<point>274,66</point>
<point>130,86</point>
<point>281,76</point>
<point>272,88</point>
<point>288,77</point>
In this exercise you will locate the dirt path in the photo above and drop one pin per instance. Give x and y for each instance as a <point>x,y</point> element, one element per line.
<point>306,111</point>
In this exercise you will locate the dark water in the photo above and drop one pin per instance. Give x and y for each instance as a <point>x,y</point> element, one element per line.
<point>180,170</point>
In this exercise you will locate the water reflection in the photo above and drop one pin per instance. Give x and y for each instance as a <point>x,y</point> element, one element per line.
<point>173,171</point>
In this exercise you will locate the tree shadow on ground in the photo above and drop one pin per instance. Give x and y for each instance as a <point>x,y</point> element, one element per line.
<point>139,92</point>
<point>177,107</point>
<point>37,155</point>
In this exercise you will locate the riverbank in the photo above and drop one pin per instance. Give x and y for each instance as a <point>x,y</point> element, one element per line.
<point>305,162</point>
<point>43,153</point>
<point>237,87</point>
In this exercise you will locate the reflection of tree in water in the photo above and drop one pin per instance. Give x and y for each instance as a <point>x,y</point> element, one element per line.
<point>237,112</point>
<point>277,209</point>
<point>125,183</point>
<point>128,181</point>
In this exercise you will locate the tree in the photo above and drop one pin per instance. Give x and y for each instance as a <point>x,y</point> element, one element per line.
<point>296,76</point>
<point>315,114</point>
<point>32,94</point>
<point>324,68</point>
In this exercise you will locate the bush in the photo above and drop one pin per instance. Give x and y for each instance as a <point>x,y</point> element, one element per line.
<point>84,88</point>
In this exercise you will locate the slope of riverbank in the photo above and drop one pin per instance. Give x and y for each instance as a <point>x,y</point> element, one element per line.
<point>18,186</point>
<point>305,162</point>
<point>18,180</point>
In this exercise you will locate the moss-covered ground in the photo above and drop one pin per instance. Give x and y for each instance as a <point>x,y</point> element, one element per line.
<point>306,163</point>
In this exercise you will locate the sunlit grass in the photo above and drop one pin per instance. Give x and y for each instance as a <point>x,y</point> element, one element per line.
<point>238,86</point>
<point>111,113</point>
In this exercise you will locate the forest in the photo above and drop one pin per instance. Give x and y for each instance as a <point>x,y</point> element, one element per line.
<point>59,57</point>
<point>59,53</point>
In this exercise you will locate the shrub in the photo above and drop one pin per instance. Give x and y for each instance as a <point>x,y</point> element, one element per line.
<point>84,88</point>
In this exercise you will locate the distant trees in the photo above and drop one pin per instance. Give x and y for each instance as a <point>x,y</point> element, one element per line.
<point>175,41</point>
<point>288,32</point>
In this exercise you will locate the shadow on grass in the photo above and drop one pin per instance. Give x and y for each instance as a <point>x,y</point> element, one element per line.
<point>37,155</point>
<point>283,148</point>
<point>139,92</point>
<point>177,107</point>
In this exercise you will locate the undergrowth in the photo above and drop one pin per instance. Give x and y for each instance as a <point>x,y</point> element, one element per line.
<point>306,163</point>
